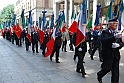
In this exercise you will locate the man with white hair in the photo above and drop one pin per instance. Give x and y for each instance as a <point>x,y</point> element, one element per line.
<point>111,43</point>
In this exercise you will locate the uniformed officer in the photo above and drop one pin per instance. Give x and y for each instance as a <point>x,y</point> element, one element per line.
<point>96,42</point>
<point>46,39</point>
<point>13,36</point>
<point>111,43</point>
<point>35,39</point>
<point>57,46</point>
<point>27,42</point>
<point>80,52</point>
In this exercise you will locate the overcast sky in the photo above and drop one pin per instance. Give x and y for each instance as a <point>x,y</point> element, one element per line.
<point>4,3</point>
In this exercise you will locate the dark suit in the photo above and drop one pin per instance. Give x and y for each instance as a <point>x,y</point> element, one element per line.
<point>35,39</point>
<point>111,56</point>
<point>96,44</point>
<point>27,42</point>
<point>81,55</point>
<point>89,40</point>
<point>57,46</point>
<point>46,39</point>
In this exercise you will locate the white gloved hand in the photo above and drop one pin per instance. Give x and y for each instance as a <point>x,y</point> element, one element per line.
<point>79,49</point>
<point>115,45</point>
<point>99,33</point>
<point>91,38</point>
<point>118,35</point>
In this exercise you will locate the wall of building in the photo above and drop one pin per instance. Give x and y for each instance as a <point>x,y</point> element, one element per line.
<point>37,6</point>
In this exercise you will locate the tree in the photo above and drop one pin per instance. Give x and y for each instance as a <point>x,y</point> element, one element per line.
<point>7,13</point>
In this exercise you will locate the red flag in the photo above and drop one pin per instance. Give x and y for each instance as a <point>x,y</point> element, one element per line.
<point>73,27</point>
<point>10,31</point>
<point>28,35</point>
<point>18,31</point>
<point>41,35</point>
<point>81,30</point>
<point>50,44</point>
<point>63,29</point>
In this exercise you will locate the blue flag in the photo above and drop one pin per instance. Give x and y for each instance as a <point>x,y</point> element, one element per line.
<point>43,20</point>
<point>37,23</point>
<point>84,12</point>
<point>120,14</point>
<point>30,19</point>
<point>27,22</point>
<point>9,24</point>
<point>63,16</point>
<point>14,20</point>
<point>97,15</point>
<point>52,21</point>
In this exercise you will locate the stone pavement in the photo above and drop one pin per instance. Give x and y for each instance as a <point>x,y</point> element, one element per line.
<point>20,66</point>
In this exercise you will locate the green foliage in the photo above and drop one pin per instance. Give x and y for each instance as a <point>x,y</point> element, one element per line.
<point>7,13</point>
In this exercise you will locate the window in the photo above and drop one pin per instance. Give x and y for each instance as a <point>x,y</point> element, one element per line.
<point>28,6</point>
<point>46,3</point>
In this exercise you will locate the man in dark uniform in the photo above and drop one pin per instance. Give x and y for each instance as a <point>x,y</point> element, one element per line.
<point>74,42</point>
<point>89,39</point>
<point>57,46</point>
<point>27,42</point>
<point>111,43</point>
<point>35,39</point>
<point>71,42</point>
<point>80,52</point>
<point>96,42</point>
<point>13,36</point>
<point>46,39</point>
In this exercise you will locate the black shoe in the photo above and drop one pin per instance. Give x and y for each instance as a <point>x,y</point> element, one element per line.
<point>101,60</point>
<point>91,57</point>
<point>33,52</point>
<point>83,76</point>
<point>74,58</point>
<point>51,58</point>
<point>37,52</point>
<point>98,78</point>
<point>57,62</point>
<point>78,71</point>
<point>83,62</point>
<point>65,51</point>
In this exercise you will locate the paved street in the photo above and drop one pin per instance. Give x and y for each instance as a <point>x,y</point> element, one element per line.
<point>20,66</point>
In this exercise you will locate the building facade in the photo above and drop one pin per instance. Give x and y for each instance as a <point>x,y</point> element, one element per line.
<point>37,6</point>
<point>69,5</point>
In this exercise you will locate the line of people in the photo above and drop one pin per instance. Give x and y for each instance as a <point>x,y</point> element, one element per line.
<point>108,42</point>
<point>60,41</point>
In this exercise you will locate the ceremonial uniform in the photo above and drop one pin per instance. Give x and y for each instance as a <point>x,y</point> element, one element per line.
<point>35,39</point>
<point>46,39</point>
<point>80,52</point>
<point>57,46</point>
<point>27,42</point>
<point>96,43</point>
<point>111,43</point>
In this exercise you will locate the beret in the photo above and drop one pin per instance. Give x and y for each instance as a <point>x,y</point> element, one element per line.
<point>113,20</point>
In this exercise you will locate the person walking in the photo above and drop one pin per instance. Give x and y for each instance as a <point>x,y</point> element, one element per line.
<point>111,43</point>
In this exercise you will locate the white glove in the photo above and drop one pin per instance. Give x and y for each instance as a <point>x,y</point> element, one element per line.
<point>99,33</point>
<point>118,35</point>
<point>91,38</point>
<point>79,49</point>
<point>115,45</point>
